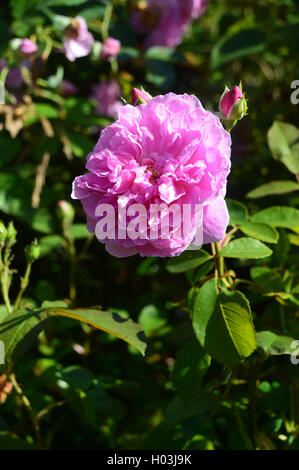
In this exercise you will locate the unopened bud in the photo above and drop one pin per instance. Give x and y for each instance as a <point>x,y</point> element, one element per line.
<point>232,106</point>
<point>2,233</point>
<point>66,212</point>
<point>140,97</point>
<point>32,252</point>
<point>11,234</point>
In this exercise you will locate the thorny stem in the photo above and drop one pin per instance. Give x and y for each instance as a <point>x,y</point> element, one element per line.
<point>73,262</point>
<point>220,260</point>
<point>219,263</point>
<point>29,409</point>
<point>214,259</point>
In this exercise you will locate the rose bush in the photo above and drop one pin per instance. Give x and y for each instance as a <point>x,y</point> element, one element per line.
<point>184,347</point>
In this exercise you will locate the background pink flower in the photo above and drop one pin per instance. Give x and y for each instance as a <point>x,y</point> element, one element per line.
<point>170,150</point>
<point>165,23</point>
<point>77,40</point>
<point>107,94</point>
<point>110,48</point>
<point>28,47</point>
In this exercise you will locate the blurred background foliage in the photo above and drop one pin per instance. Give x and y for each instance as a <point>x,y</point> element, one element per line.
<point>89,389</point>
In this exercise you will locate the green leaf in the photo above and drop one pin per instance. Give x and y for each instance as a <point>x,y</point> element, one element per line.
<point>150,319</point>
<point>64,3</point>
<point>278,216</point>
<point>267,279</point>
<point>273,188</point>
<point>204,306</point>
<point>160,73</point>
<point>187,260</point>
<point>283,140</point>
<point>166,54</point>
<point>18,331</point>
<point>238,213</point>
<point>261,231</point>
<point>15,195</point>
<point>80,231</point>
<point>9,149</point>
<point>245,248</point>
<point>223,324</point>
<point>190,367</point>
<point>76,377</point>
<point>274,344</point>
<point>49,243</point>
<point>42,110</point>
<point>109,322</point>
<point>237,45</point>
<point>79,143</point>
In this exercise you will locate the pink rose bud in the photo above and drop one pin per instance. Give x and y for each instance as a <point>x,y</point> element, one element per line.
<point>110,48</point>
<point>28,47</point>
<point>232,104</point>
<point>140,97</point>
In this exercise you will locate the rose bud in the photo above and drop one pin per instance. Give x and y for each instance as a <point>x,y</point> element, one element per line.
<point>28,47</point>
<point>140,97</point>
<point>233,106</point>
<point>11,234</point>
<point>110,48</point>
<point>2,233</point>
<point>32,252</point>
<point>66,212</point>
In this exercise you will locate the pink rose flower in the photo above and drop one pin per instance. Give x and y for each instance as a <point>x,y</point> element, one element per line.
<point>110,48</point>
<point>165,23</point>
<point>28,47</point>
<point>77,40</point>
<point>216,219</point>
<point>168,151</point>
<point>107,94</point>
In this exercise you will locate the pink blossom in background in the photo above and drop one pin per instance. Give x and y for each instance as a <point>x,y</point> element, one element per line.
<point>110,48</point>
<point>28,47</point>
<point>197,7</point>
<point>68,88</point>
<point>170,150</point>
<point>165,23</point>
<point>107,94</point>
<point>77,40</point>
